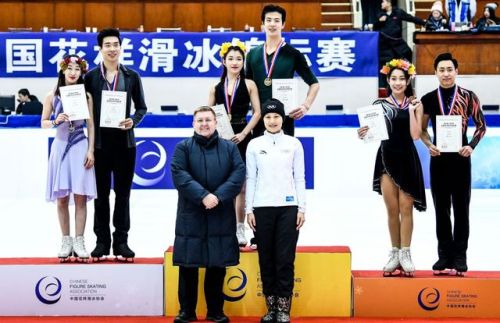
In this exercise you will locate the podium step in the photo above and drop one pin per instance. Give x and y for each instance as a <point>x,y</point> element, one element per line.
<point>43,286</point>
<point>322,285</point>
<point>426,295</point>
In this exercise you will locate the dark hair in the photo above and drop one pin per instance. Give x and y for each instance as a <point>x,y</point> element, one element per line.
<point>61,80</point>
<point>409,88</point>
<point>108,32</point>
<point>493,15</point>
<point>273,8</point>
<point>24,92</point>
<point>224,71</point>
<point>204,108</point>
<point>445,57</point>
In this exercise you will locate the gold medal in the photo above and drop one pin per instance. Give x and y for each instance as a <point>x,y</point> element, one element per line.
<point>268,81</point>
<point>229,116</point>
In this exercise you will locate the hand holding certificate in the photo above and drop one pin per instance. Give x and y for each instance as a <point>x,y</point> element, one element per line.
<point>286,90</point>
<point>449,133</point>
<point>74,101</point>
<point>373,117</point>
<point>223,124</point>
<point>113,108</point>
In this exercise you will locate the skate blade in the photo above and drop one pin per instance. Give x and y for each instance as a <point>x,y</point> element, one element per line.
<point>446,272</point>
<point>82,260</point>
<point>409,274</point>
<point>99,259</point>
<point>460,273</point>
<point>124,259</point>
<point>64,260</point>
<point>395,273</point>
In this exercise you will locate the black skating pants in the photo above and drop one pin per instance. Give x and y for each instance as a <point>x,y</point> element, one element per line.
<point>119,162</point>
<point>450,176</point>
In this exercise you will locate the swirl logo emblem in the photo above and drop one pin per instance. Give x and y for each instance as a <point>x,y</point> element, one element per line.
<point>48,290</point>
<point>236,284</point>
<point>428,298</point>
<point>151,163</point>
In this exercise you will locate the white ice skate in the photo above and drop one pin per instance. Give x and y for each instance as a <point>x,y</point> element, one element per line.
<point>240,234</point>
<point>392,268</point>
<point>66,249</point>
<point>406,262</point>
<point>81,253</point>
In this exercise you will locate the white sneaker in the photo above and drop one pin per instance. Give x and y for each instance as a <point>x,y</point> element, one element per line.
<point>240,234</point>
<point>66,247</point>
<point>405,260</point>
<point>393,262</point>
<point>79,248</point>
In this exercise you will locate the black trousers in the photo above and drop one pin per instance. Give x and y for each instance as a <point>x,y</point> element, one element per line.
<point>120,162</point>
<point>277,237</point>
<point>450,176</point>
<point>188,289</point>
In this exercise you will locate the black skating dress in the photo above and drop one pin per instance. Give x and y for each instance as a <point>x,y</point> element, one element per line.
<point>397,156</point>
<point>239,110</point>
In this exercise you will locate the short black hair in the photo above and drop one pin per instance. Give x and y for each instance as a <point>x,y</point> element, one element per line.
<point>273,8</point>
<point>445,57</point>
<point>24,92</point>
<point>108,32</point>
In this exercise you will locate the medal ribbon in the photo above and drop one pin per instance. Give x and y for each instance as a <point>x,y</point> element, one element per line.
<point>404,104</point>
<point>226,87</point>
<point>442,104</point>
<point>269,70</point>
<point>114,84</point>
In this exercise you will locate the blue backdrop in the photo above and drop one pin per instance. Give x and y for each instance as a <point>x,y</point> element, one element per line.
<point>184,54</point>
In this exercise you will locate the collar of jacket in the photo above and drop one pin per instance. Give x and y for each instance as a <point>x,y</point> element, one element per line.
<point>204,141</point>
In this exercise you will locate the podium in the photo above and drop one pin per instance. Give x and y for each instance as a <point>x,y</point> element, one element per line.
<point>426,295</point>
<point>322,285</point>
<point>45,287</point>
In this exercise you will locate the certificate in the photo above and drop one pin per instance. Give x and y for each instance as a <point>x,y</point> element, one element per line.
<point>286,90</point>
<point>74,101</point>
<point>373,117</point>
<point>223,124</point>
<point>113,105</point>
<point>449,133</point>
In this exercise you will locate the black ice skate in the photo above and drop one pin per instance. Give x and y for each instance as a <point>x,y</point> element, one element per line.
<point>100,252</point>
<point>460,266</point>
<point>123,253</point>
<point>444,266</point>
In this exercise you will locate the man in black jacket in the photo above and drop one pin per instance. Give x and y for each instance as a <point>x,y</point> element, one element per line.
<point>390,27</point>
<point>114,146</point>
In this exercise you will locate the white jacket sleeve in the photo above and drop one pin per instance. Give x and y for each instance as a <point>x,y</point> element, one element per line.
<point>251,178</point>
<point>299,175</point>
<point>472,7</point>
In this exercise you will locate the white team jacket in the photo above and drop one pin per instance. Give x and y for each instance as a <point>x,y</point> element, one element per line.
<point>275,172</point>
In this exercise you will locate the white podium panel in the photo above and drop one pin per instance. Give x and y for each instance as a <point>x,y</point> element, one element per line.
<point>81,289</point>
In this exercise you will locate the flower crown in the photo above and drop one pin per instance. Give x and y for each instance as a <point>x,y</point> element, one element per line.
<point>73,59</point>
<point>224,48</point>
<point>399,64</point>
